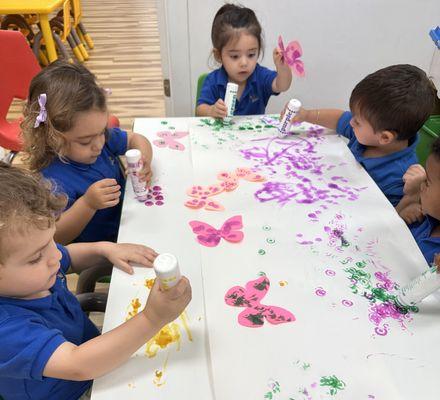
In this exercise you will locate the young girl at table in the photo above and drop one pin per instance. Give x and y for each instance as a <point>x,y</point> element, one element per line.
<point>420,207</point>
<point>49,347</point>
<point>237,44</point>
<point>67,139</point>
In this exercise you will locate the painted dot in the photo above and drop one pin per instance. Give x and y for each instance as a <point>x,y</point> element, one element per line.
<point>330,272</point>
<point>159,197</point>
<point>261,252</point>
<point>270,240</point>
<point>159,203</point>
<point>149,196</point>
<point>156,188</point>
<point>149,203</point>
<point>283,283</point>
<point>266,228</point>
<point>164,122</point>
<point>155,193</point>
<point>320,291</point>
<point>347,303</point>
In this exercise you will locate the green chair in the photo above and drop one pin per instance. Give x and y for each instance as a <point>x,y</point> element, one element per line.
<point>428,134</point>
<point>200,81</point>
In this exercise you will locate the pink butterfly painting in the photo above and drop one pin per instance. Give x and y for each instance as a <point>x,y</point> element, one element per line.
<point>291,55</point>
<point>208,236</point>
<point>201,196</point>
<point>230,180</point>
<point>169,139</point>
<point>255,313</point>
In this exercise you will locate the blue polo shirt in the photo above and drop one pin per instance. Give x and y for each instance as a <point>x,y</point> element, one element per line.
<point>255,95</point>
<point>31,331</point>
<point>75,178</point>
<point>386,171</point>
<point>429,246</point>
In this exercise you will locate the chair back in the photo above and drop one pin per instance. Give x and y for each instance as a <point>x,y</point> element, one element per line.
<point>18,66</point>
<point>200,82</point>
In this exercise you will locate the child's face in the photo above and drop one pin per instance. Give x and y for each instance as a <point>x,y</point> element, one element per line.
<point>239,57</point>
<point>430,189</point>
<point>363,131</point>
<point>31,267</point>
<point>87,137</point>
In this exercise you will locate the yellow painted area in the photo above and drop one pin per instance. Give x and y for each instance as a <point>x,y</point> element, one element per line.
<point>149,283</point>
<point>133,308</point>
<point>159,374</point>
<point>283,283</point>
<point>170,333</point>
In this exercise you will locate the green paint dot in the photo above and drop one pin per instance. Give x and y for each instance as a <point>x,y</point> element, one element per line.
<point>266,228</point>
<point>242,128</point>
<point>261,252</point>
<point>171,127</point>
<point>250,128</point>
<point>270,240</point>
<point>164,122</point>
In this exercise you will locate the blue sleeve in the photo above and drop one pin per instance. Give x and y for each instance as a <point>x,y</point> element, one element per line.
<point>27,345</point>
<point>343,127</point>
<point>209,93</point>
<point>266,77</point>
<point>117,141</point>
<point>65,259</point>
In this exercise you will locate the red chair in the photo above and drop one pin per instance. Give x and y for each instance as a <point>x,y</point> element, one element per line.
<point>18,66</point>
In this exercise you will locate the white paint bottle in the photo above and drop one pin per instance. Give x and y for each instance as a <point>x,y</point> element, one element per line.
<point>230,99</point>
<point>291,110</point>
<point>134,162</point>
<point>419,288</point>
<point>167,270</point>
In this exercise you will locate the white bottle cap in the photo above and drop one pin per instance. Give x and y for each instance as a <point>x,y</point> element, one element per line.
<point>133,155</point>
<point>294,104</point>
<point>167,270</point>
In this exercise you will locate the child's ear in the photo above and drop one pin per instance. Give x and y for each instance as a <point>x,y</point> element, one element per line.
<point>386,137</point>
<point>217,55</point>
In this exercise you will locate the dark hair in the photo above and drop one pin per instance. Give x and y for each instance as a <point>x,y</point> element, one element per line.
<point>398,98</point>
<point>229,20</point>
<point>70,89</point>
<point>26,201</point>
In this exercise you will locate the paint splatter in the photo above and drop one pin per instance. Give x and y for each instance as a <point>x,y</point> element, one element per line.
<point>333,383</point>
<point>319,291</point>
<point>283,283</point>
<point>134,306</point>
<point>330,272</point>
<point>155,196</point>
<point>347,303</point>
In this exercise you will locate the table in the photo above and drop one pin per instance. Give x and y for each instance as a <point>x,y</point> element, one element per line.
<point>41,7</point>
<point>299,305</point>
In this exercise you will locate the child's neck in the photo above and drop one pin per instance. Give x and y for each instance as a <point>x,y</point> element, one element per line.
<point>381,151</point>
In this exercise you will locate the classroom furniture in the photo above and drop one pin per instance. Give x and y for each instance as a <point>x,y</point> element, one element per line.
<point>428,134</point>
<point>200,82</point>
<point>318,241</point>
<point>41,7</point>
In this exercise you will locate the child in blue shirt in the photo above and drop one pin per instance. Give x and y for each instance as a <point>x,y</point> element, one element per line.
<point>66,138</point>
<point>237,44</point>
<point>50,350</point>
<point>420,207</point>
<point>388,107</point>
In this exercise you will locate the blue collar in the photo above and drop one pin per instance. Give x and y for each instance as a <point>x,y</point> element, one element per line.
<point>222,80</point>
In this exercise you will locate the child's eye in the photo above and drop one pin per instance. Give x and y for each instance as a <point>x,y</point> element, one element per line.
<point>85,143</point>
<point>36,260</point>
<point>234,57</point>
<point>252,55</point>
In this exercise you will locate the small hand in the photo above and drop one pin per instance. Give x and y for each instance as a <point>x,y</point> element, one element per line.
<point>145,174</point>
<point>103,194</point>
<point>279,60</point>
<point>412,213</point>
<point>219,109</point>
<point>122,254</point>
<point>414,176</point>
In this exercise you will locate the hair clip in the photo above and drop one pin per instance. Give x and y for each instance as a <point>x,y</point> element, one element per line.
<point>42,116</point>
<point>108,91</point>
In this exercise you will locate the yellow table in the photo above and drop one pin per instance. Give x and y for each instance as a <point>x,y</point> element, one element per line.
<point>41,7</point>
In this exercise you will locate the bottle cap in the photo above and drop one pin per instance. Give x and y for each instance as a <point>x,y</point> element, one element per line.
<point>294,104</point>
<point>133,155</point>
<point>165,263</point>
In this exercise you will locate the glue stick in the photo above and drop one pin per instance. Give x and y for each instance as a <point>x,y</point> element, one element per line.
<point>134,166</point>
<point>419,288</point>
<point>291,110</point>
<point>230,99</point>
<point>167,270</point>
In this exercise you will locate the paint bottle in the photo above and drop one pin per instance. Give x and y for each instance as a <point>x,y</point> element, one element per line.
<point>167,270</point>
<point>230,99</point>
<point>134,162</point>
<point>419,288</point>
<point>291,110</point>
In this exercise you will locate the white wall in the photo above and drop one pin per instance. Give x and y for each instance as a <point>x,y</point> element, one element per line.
<point>342,40</point>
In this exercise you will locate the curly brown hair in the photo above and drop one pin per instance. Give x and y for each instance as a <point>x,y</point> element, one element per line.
<point>70,89</point>
<point>26,200</point>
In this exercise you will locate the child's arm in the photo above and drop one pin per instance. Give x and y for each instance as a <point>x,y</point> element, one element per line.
<point>284,74</point>
<point>86,255</point>
<point>325,117</point>
<point>217,110</point>
<point>102,194</point>
<point>136,141</point>
<point>104,353</point>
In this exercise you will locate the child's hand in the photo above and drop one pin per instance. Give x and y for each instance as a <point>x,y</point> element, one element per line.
<point>414,176</point>
<point>412,213</point>
<point>301,116</point>
<point>278,60</point>
<point>145,174</point>
<point>219,109</point>
<point>165,306</point>
<point>103,194</point>
<point>122,254</point>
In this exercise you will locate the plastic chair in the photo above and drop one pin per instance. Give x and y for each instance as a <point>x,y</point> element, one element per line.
<point>428,134</point>
<point>200,82</point>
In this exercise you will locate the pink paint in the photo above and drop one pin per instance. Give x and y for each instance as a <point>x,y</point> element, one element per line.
<point>201,194</point>
<point>320,291</point>
<point>210,237</point>
<point>347,303</point>
<point>169,139</point>
<point>255,313</point>
<point>330,272</point>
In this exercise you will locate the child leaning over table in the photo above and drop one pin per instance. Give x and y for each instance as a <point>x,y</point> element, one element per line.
<point>50,350</point>
<point>388,107</point>
<point>67,139</point>
<point>420,207</point>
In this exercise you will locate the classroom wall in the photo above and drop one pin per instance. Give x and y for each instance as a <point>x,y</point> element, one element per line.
<point>342,40</point>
